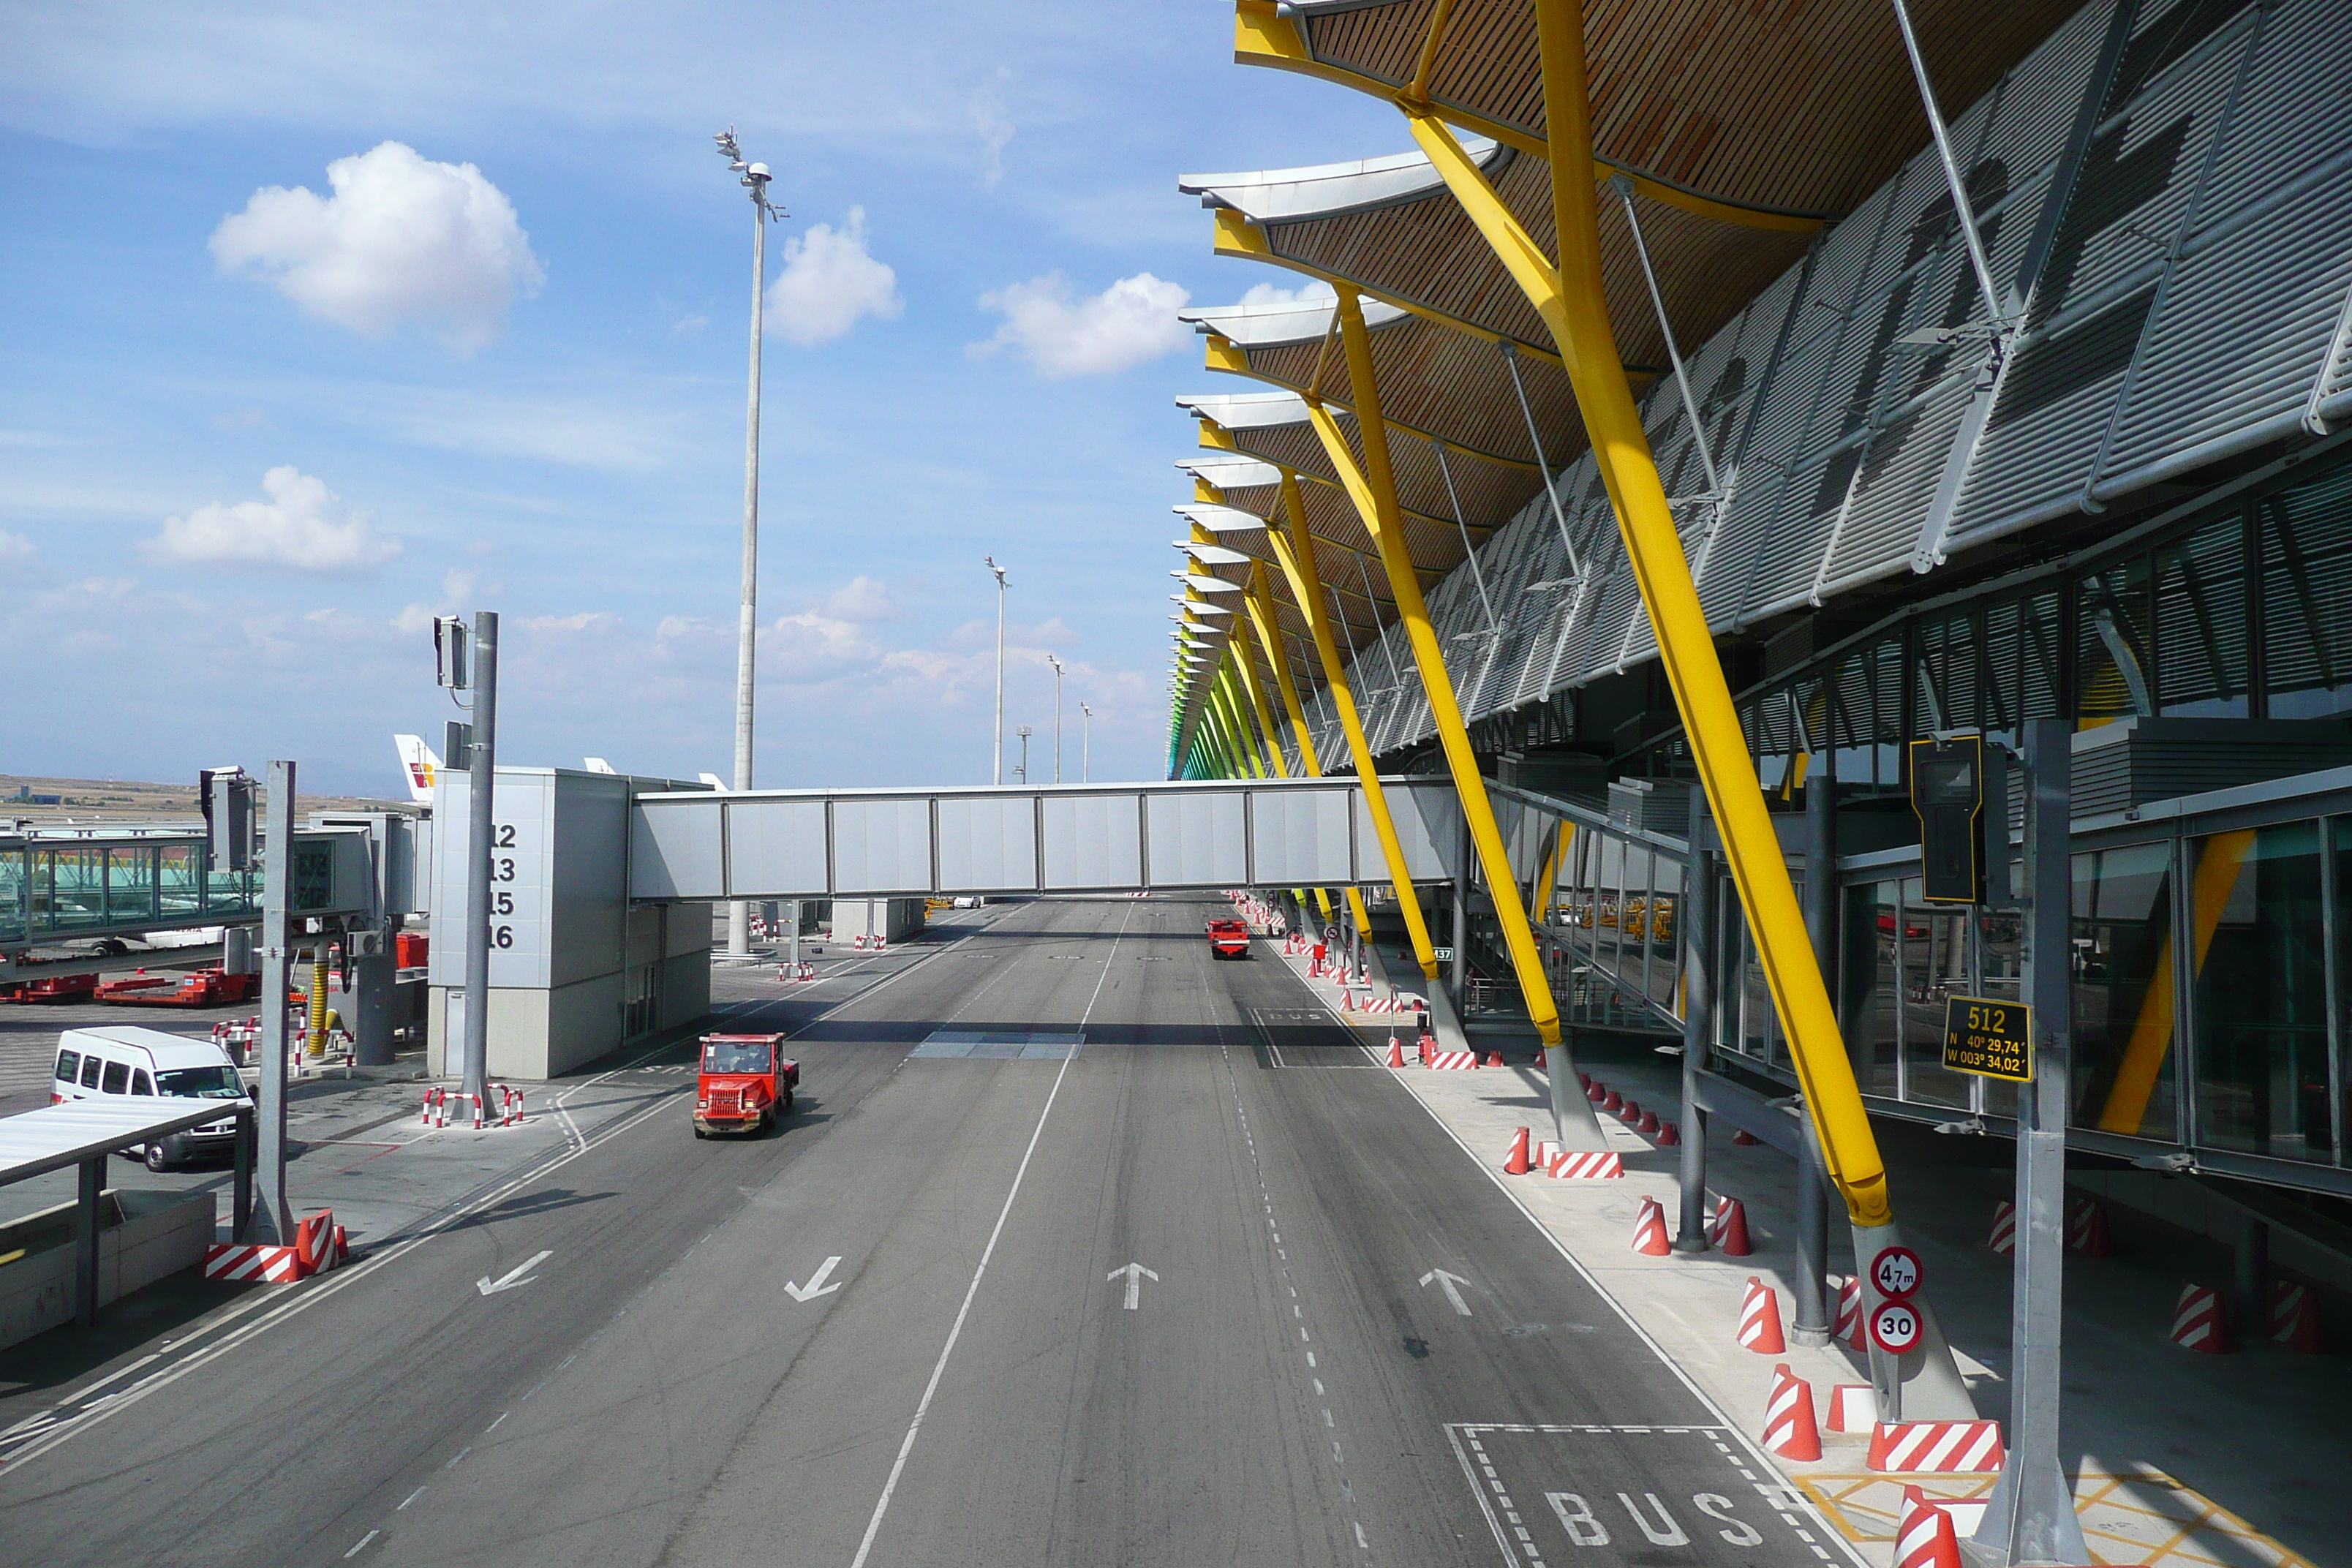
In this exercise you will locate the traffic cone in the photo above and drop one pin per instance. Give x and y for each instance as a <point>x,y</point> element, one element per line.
<point>1759,1320</point>
<point>1596,1092</point>
<point>1745,1139</point>
<point>1849,1328</point>
<point>2199,1323</point>
<point>1614,1103</point>
<point>1630,1112</point>
<point>1396,1053</point>
<point>1926,1538</point>
<point>1494,1058</point>
<point>1789,1428</point>
<point>1669,1135</point>
<point>2086,1229</point>
<point>2294,1319</point>
<point>1516,1162</point>
<point>1727,1232</point>
<point>1649,1124</point>
<point>2004,1227</point>
<point>1584,1081</point>
<point>1650,1231</point>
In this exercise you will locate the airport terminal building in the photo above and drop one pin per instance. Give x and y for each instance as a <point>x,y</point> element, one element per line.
<point>2037,414</point>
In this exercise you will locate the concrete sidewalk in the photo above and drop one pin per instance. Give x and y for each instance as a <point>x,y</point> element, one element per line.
<point>2183,1458</point>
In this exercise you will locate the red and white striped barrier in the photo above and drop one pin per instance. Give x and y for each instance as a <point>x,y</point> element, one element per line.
<point>319,1245</point>
<point>1393,1004</point>
<point>872,944</point>
<point>243,1264</point>
<point>795,972</point>
<point>509,1104</point>
<point>1759,1319</point>
<point>1789,1429</point>
<point>1576,1165</point>
<point>1926,1536</point>
<point>2199,1323</point>
<point>2294,1319</point>
<point>1447,1061</point>
<point>1650,1230</point>
<point>1853,1408</point>
<point>1941,1448</point>
<point>1726,1232</point>
<point>2004,1229</point>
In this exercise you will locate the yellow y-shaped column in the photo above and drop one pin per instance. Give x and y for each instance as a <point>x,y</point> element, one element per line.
<point>1259,602</point>
<point>1294,551</point>
<point>1372,488</point>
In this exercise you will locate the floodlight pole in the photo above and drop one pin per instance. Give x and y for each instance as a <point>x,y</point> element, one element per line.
<point>481,801</point>
<point>998,775</point>
<point>747,635</point>
<point>271,1222</point>
<point>1057,716</point>
<point>1085,743</point>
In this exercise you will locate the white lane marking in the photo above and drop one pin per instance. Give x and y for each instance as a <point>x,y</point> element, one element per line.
<point>955,1331</point>
<point>1451,1284</point>
<point>816,1285</point>
<point>63,1431</point>
<point>494,1425</point>
<point>1852,1555</point>
<point>355,1551</point>
<point>513,1277</point>
<point>1135,1274</point>
<point>410,1499</point>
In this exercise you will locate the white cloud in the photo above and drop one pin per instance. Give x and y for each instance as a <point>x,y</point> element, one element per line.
<point>402,238</point>
<point>830,280</point>
<point>1132,321</point>
<point>1276,294</point>
<point>16,550</point>
<point>303,526</point>
<point>991,125</point>
<point>860,599</point>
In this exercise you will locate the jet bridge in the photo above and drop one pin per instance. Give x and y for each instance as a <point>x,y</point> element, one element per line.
<point>1065,838</point>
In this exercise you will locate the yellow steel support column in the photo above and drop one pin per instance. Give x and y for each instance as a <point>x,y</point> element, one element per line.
<point>1923,1383</point>
<point>1245,753</point>
<point>1259,602</point>
<point>1246,662</point>
<point>1373,489</point>
<point>1294,551</point>
<point>1572,303</point>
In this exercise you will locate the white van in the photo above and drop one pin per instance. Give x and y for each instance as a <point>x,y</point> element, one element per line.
<point>124,1060</point>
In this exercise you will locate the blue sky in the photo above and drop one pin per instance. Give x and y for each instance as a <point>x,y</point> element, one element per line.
<point>248,447</point>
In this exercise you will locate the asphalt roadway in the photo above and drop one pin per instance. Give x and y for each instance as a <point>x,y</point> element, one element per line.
<point>906,1330</point>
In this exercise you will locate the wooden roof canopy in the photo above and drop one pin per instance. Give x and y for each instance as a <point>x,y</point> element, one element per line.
<point>1732,131</point>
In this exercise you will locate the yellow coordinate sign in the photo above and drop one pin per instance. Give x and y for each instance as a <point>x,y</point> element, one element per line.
<point>1991,1039</point>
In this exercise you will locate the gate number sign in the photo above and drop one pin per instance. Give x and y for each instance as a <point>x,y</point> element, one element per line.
<point>1991,1039</point>
<point>1895,1271</point>
<point>1896,1327</point>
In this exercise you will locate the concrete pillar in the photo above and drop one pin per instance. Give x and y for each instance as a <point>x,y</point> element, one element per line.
<point>2251,1283</point>
<point>1812,1323</point>
<point>1697,923</point>
<point>87,1224</point>
<point>1461,935</point>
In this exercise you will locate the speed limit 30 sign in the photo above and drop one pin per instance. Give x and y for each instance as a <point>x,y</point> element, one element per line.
<point>1895,1327</point>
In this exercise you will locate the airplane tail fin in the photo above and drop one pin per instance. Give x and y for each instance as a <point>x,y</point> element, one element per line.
<point>420,765</point>
<point>715,782</point>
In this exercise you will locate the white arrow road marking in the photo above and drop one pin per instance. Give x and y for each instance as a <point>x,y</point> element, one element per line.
<point>512,1277</point>
<point>1136,1274</point>
<point>1450,1284</point>
<point>816,1285</point>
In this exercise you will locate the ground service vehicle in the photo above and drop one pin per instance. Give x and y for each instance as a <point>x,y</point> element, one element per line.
<point>745,1084</point>
<point>116,1060</point>
<point>1229,939</point>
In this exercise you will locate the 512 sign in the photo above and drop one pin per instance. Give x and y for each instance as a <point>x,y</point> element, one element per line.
<point>1988,1038</point>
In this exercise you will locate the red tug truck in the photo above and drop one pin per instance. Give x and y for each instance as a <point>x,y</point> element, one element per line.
<point>745,1083</point>
<point>1229,939</point>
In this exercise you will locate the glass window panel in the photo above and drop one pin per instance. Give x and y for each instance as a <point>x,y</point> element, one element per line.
<point>2001,945</point>
<point>2260,993</point>
<point>2306,550</point>
<point>2124,1031</point>
<point>1934,966</point>
<point>1873,993</point>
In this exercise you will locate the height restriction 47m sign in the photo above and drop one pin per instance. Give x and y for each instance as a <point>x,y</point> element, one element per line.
<point>1991,1039</point>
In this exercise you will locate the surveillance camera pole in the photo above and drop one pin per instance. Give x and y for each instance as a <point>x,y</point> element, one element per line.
<point>272,1220</point>
<point>1057,716</point>
<point>755,180</point>
<point>1085,743</point>
<point>999,774</point>
<point>482,784</point>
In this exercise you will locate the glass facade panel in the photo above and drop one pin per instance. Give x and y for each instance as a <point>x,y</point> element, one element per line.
<point>2260,993</point>
<point>2122,961</point>
<point>2200,623</point>
<point>1935,945</point>
<point>1873,996</point>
